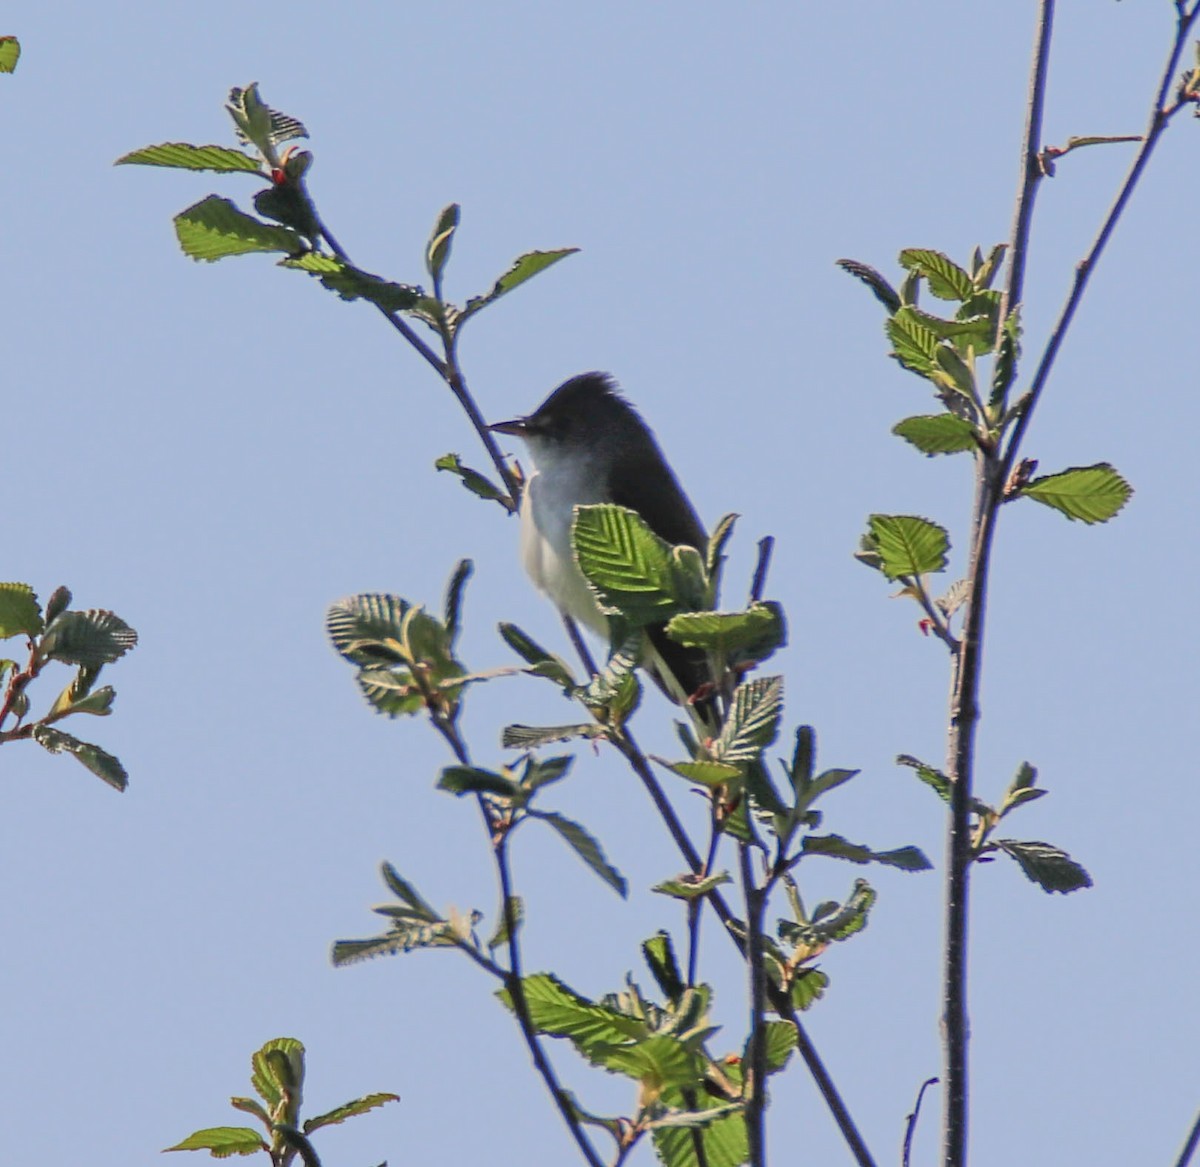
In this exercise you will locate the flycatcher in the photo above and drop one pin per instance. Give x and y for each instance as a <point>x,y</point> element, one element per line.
<point>589,445</point>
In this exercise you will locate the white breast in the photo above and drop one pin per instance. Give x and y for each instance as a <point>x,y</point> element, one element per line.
<point>547,511</point>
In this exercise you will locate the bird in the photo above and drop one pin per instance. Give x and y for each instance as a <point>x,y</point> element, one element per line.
<point>589,445</point>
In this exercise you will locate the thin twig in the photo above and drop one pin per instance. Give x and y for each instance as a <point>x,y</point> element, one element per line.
<point>862,1156</point>
<point>1189,1148</point>
<point>449,372</point>
<point>516,989</point>
<point>910,1125</point>
<point>499,835</point>
<point>765,546</point>
<point>968,658</point>
<point>1161,115</point>
<point>756,1054</point>
<point>991,474</point>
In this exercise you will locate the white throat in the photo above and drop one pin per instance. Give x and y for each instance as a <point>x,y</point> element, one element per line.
<point>563,480</point>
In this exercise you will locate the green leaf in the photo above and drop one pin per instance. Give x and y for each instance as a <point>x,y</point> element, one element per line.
<point>763,793</point>
<point>256,122</point>
<point>628,567</point>
<point>99,702</point>
<point>914,345</point>
<point>437,250</point>
<point>757,632</point>
<point>532,737</point>
<point>462,780</point>
<point>938,433</point>
<point>251,1106</point>
<point>657,1061</point>
<point>101,763</point>
<point>92,638</point>
<point>905,858</point>
<point>474,481</point>
<point>714,553</point>
<point>705,773</point>
<point>1022,789</point>
<point>908,545</point>
<point>1051,868</point>
<point>454,598</point>
<point>985,270</point>
<point>725,1143</point>
<point>58,603</point>
<point>939,782</point>
<point>541,662</point>
<point>753,720</point>
<point>659,955</point>
<point>698,1119</point>
<point>390,690</point>
<point>223,1141</point>
<point>348,1110</point>
<point>587,847</point>
<point>10,53</point>
<point>613,694</point>
<point>501,935</point>
<point>1091,493</point>
<point>1007,356</point>
<point>808,988</point>
<point>185,156</point>
<point>947,281</point>
<point>368,629</point>
<point>781,1041</point>
<point>351,283</point>
<point>20,614</point>
<point>541,772</point>
<point>523,268</point>
<point>832,921</point>
<point>884,292</point>
<point>558,1010</point>
<point>410,930</point>
<point>278,1068</point>
<point>691,887</point>
<point>214,228</point>
<point>406,892</point>
<point>821,784</point>
<point>975,329</point>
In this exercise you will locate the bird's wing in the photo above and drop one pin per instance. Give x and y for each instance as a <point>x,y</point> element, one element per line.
<point>654,492</point>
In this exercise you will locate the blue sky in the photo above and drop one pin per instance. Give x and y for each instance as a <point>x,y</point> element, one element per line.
<point>217,452</point>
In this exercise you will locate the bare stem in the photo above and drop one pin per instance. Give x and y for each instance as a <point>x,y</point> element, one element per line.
<point>516,989</point>
<point>756,1054</point>
<point>1189,1148</point>
<point>449,371</point>
<point>1162,111</point>
<point>910,1125</point>
<point>991,473</point>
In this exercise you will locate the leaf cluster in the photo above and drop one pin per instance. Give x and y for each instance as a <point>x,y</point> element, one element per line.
<point>277,1077</point>
<point>688,1100</point>
<point>1050,867</point>
<point>287,222</point>
<point>948,350</point>
<point>86,640</point>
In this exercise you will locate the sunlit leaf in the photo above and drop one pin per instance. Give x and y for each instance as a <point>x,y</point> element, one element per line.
<point>185,156</point>
<point>214,228</point>
<point>945,278</point>
<point>223,1141</point>
<point>908,545</point>
<point>1091,493</point>
<point>939,433</point>
<point>20,614</point>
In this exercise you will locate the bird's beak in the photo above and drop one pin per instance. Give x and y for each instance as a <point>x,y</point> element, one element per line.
<point>517,427</point>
